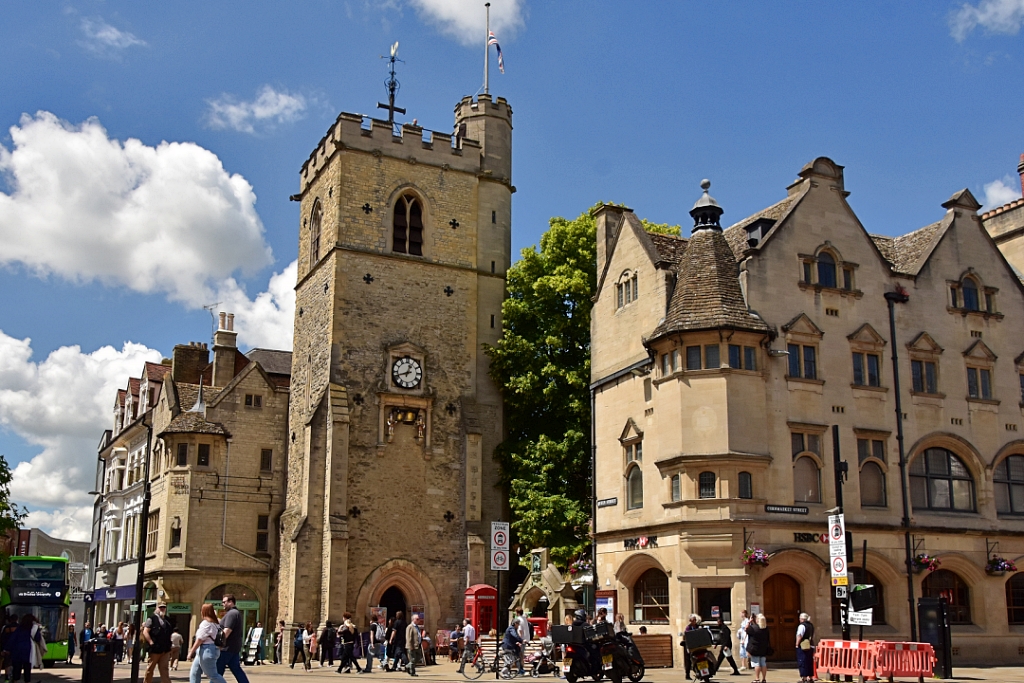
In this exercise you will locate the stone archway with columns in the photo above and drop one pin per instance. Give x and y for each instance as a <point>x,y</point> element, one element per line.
<point>408,578</point>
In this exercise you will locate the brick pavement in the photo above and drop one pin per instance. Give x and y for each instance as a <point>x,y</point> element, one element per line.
<point>447,672</point>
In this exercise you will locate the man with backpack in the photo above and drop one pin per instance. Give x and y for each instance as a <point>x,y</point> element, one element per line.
<point>328,637</point>
<point>157,633</point>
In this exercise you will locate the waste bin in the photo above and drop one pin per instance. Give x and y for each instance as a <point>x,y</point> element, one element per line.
<point>97,661</point>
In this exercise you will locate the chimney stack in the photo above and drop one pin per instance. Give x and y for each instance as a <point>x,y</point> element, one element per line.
<point>224,348</point>
<point>188,362</point>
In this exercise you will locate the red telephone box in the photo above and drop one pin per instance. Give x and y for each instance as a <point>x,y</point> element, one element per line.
<point>481,607</point>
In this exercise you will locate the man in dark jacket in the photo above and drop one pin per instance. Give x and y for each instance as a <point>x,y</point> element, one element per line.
<point>328,637</point>
<point>157,634</point>
<point>725,640</point>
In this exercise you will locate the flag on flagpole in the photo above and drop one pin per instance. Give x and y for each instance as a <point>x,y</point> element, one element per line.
<point>493,40</point>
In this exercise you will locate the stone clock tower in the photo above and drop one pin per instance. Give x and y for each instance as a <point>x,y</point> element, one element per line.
<point>404,240</point>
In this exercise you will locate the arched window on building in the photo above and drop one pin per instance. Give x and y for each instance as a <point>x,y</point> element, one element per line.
<point>315,221</point>
<point>1009,485</point>
<point>969,290</point>
<point>407,226</point>
<point>806,480</point>
<point>826,270</point>
<point>861,576</point>
<point>946,584</point>
<point>1015,599</point>
<point>634,488</point>
<point>872,485</point>
<point>650,598</point>
<point>706,484</point>
<point>940,480</point>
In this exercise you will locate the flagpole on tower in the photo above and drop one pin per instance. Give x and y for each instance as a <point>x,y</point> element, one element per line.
<point>487,48</point>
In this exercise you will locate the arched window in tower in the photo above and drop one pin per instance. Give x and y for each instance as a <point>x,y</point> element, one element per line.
<point>634,488</point>
<point>407,226</point>
<point>315,219</point>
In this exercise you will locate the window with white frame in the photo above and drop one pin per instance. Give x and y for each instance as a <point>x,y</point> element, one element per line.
<point>626,289</point>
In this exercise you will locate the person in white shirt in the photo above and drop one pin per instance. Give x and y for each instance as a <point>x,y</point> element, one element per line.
<point>208,653</point>
<point>742,636</point>
<point>523,628</point>
<point>469,633</point>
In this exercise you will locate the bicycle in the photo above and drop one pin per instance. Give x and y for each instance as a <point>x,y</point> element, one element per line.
<point>503,665</point>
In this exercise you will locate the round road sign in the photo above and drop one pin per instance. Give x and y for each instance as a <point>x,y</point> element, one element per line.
<point>500,540</point>
<point>838,565</point>
<point>835,532</point>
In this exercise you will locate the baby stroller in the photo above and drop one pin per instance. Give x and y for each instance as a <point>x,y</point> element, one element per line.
<point>541,663</point>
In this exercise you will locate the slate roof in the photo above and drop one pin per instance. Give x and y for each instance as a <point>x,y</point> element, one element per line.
<point>904,252</point>
<point>736,234</point>
<point>707,292</point>
<point>670,248</point>
<point>192,423</point>
<point>155,371</point>
<point>187,422</point>
<point>274,362</point>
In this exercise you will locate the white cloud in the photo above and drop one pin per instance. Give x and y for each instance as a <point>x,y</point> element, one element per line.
<point>1001,191</point>
<point>103,39</point>
<point>165,219</point>
<point>62,405</point>
<point>267,320</point>
<point>70,523</point>
<point>465,20</point>
<point>996,16</point>
<point>268,108</point>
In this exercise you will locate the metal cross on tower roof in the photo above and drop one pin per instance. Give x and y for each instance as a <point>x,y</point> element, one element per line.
<point>392,86</point>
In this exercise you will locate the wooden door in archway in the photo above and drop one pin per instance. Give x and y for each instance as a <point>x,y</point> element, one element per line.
<point>782,611</point>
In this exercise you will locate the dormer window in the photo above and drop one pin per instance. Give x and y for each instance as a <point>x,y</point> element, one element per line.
<point>757,230</point>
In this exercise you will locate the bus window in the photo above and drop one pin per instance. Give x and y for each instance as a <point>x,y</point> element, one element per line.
<point>38,571</point>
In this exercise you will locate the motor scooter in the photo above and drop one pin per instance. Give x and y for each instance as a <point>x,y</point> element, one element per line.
<point>703,661</point>
<point>636,660</point>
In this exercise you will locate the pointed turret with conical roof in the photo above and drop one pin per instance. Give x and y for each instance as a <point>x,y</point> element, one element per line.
<point>707,293</point>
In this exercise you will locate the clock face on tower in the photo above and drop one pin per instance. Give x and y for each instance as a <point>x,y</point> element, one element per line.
<point>406,372</point>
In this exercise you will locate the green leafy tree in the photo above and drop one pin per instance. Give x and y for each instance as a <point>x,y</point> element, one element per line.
<point>542,364</point>
<point>11,514</point>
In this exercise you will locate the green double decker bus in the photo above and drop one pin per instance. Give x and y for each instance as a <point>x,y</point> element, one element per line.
<point>40,586</point>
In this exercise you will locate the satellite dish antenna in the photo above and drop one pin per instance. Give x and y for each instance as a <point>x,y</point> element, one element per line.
<point>394,49</point>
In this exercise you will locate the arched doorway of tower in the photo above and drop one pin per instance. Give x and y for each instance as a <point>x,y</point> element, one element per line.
<point>782,610</point>
<point>393,600</point>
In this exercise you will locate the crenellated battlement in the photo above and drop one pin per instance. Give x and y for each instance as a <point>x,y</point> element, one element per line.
<point>483,105</point>
<point>413,144</point>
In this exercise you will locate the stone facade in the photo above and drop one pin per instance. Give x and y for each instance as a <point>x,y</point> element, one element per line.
<point>392,486</point>
<point>714,432</point>
<point>215,436</point>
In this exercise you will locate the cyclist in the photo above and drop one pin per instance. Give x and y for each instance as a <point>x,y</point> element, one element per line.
<point>511,647</point>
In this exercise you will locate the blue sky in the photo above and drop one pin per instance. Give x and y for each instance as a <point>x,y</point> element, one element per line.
<point>148,151</point>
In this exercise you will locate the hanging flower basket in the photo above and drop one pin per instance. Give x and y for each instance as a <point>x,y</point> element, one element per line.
<point>997,566</point>
<point>925,561</point>
<point>580,566</point>
<point>755,557</point>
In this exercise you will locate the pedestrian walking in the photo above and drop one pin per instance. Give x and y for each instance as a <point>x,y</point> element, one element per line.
<point>347,633</point>
<point>376,641</point>
<point>312,644</point>
<point>177,641</point>
<point>525,630</point>
<point>129,642</point>
<point>386,662</point>
<point>260,653</point>
<point>805,648</point>
<point>157,635</point>
<point>204,654</point>
<point>469,636</point>
<point>328,638</point>
<point>118,638</point>
<point>620,624</point>
<point>23,645</point>
<point>741,635</point>
<point>725,641</point>
<point>758,645</point>
<point>413,642</point>
<point>229,658</point>
<point>279,643</point>
<point>72,644</point>
<point>396,646</point>
<point>299,645</point>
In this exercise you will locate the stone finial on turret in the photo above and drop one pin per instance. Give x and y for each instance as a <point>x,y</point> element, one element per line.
<point>706,212</point>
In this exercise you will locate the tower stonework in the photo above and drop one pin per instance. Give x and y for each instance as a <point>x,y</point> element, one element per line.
<point>404,241</point>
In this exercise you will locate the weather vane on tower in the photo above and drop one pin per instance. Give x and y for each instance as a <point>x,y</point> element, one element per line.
<point>392,86</point>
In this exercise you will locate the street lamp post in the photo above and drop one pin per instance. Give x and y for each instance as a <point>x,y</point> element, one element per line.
<point>900,296</point>
<point>143,533</point>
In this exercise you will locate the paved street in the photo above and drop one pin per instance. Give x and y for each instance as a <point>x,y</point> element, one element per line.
<point>448,672</point>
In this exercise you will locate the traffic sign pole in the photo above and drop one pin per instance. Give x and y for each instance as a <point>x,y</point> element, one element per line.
<point>837,546</point>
